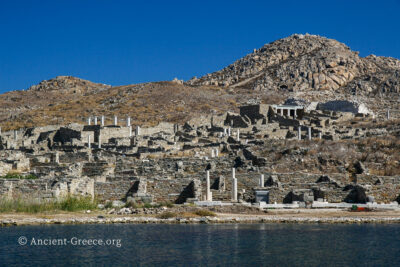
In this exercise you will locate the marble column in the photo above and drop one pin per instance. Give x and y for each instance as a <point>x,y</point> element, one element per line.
<point>299,132</point>
<point>208,191</point>
<point>234,185</point>
<point>234,190</point>
<point>57,157</point>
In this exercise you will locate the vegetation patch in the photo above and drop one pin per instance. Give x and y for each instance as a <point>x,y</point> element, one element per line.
<point>36,206</point>
<point>13,175</point>
<point>204,213</point>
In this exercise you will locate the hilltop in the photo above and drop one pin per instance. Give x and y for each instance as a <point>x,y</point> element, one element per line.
<point>310,67</point>
<point>308,62</point>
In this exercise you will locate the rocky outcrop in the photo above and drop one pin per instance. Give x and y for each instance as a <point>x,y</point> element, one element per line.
<point>68,83</point>
<point>307,62</point>
<point>344,106</point>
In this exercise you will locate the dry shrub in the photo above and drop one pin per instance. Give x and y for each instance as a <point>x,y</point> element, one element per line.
<point>204,213</point>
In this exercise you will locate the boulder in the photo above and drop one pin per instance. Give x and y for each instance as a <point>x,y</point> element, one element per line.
<point>344,106</point>
<point>117,204</point>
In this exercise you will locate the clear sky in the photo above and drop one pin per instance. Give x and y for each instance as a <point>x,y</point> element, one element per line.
<point>124,42</point>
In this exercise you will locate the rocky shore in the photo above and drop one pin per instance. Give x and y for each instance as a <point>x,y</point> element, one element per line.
<point>314,217</point>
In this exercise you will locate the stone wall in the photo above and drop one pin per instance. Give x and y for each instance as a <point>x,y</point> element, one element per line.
<point>30,189</point>
<point>255,112</point>
<point>165,127</point>
<point>170,179</point>
<point>109,132</point>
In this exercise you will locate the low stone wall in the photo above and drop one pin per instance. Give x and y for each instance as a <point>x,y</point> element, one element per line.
<point>109,132</point>
<point>113,189</point>
<point>160,189</point>
<point>162,127</point>
<point>29,189</point>
<point>22,188</point>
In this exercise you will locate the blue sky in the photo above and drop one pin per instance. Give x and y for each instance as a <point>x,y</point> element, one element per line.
<point>124,42</point>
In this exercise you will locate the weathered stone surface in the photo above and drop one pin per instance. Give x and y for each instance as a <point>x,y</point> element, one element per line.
<point>166,163</point>
<point>300,63</point>
<point>344,106</point>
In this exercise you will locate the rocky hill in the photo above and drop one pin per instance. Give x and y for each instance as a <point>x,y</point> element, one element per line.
<point>68,84</point>
<point>308,62</point>
<point>58,102</point>
<point>310,67</point>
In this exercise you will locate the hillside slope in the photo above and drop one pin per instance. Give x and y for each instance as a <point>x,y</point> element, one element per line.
<point>308,62</point>
<point>302,66</point>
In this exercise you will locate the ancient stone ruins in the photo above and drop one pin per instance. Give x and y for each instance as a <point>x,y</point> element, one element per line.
<point>211,160</point>
<point>300,122</point>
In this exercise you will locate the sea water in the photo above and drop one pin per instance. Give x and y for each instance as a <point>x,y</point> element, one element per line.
<point>201,245</point>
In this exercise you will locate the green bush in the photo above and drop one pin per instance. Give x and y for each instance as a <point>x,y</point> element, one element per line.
<point>166,204</point>
<point>147,205</point>
<point>76,204</point>
<point>108,205</point>
<point>12,175</point>
<point>205,213</point>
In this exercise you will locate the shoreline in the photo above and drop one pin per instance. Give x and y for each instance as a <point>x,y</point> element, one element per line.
<point>280,216</point>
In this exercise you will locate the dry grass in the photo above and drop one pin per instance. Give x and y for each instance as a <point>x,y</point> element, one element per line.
<point>205,213</point>
<point>146,104</point>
